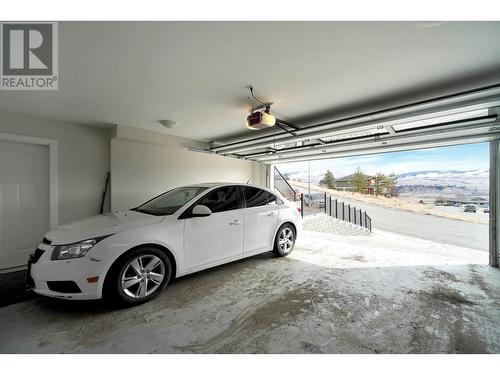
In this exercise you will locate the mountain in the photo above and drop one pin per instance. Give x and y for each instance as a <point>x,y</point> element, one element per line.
<point>477,178</point>
<point>449,184</point>
<point>457,172</point>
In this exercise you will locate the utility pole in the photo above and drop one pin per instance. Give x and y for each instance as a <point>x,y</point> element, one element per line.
<point>309,188</point>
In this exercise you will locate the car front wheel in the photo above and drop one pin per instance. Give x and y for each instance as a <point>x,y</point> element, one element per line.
<point>139,276</point>
<point>284,241</point>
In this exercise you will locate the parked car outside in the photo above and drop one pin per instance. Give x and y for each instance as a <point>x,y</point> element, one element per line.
<point>129,256</point>
<point>316,199</point>
<point>469,208</point>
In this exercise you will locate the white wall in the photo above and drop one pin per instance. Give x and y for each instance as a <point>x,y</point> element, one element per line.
<point>145,164</point>
<point>83,160</point>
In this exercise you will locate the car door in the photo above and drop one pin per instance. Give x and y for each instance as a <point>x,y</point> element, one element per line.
<point>261,217</point>
<point>218,237</point>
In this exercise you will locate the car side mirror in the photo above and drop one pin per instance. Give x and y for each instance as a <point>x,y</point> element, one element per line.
<point>201,211</point>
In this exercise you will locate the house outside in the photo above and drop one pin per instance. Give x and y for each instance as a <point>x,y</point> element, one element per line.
<point>346,183</point>
<point>479,202</point>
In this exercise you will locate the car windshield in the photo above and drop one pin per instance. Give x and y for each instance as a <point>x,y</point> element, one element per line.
<point>171,201</point>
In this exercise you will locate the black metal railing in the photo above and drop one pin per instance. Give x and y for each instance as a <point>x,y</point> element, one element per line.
<point>347,212</point>
<point>317,203</point>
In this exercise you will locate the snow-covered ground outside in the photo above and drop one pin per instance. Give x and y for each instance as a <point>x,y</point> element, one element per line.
<point>454,184</point>
<point>433,227</point>
<point>385,249</point>
<point>326,224</point>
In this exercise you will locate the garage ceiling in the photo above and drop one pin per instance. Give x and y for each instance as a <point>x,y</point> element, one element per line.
<point>195,73</point>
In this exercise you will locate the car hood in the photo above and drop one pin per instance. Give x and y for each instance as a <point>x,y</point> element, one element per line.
<point>100,225</point>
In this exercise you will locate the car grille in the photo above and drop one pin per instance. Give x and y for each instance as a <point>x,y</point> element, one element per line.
<point>63,286</point>
<point>36,255</point>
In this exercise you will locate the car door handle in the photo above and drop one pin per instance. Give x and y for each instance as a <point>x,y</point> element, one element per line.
<point>236,222</point>
<point>270,214</point>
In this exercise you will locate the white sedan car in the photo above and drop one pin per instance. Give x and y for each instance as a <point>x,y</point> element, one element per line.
<point>130,256</point>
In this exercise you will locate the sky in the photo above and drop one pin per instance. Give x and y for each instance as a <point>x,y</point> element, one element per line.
<point>465,157</point>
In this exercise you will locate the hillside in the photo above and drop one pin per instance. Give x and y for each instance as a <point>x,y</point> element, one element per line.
<point>453,184</point>
<point>428,185</point>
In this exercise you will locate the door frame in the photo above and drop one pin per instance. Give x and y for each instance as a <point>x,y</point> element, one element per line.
<point>53,178</point>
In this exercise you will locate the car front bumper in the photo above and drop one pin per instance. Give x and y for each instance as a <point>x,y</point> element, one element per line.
<point>44,270</point>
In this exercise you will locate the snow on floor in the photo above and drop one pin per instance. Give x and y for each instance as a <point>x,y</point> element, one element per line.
<point>382,293</point>
<point>327,224</point>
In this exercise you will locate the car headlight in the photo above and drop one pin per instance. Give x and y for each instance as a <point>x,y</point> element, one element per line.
<point>74,250</point>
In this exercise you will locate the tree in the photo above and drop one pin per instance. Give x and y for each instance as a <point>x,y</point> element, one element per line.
<point>390,185</point>
<point>379,183</point>
<point>328,180</point>
<point>359,180</point>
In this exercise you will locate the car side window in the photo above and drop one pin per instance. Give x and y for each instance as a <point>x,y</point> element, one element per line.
<point>254,197</point>
<point>273,199</point>
<point>221,199</point>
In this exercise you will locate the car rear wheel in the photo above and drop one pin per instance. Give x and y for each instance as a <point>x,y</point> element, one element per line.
<point>284,241</point>
<point>139,276</point>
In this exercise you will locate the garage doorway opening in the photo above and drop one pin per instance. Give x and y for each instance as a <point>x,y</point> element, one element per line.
<point>439,195</point>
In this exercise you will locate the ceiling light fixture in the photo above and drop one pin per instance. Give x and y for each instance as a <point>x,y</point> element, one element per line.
<point>169,124</point>
<point>429,24</point>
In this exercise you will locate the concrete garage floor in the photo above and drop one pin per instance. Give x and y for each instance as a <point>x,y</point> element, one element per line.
<point>335,294</point>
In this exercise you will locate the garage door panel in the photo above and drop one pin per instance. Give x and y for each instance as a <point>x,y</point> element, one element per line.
<point>26,197</point>
<point>24,202</point>
<point>27,216</point>
<point>25,162</point>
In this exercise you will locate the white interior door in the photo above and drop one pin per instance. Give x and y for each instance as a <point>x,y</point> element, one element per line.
<point>24,200</point>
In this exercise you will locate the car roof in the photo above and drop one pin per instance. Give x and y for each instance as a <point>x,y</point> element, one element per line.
<point>221,184</point>
<point>214,184</point>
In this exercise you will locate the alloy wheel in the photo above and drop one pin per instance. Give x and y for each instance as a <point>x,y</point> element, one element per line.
<point>142,276</point>
<point>285,240</point>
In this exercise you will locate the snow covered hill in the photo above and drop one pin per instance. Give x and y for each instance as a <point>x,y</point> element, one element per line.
<point>455,184</point>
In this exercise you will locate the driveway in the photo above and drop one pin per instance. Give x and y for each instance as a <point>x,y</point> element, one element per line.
<point>434,228</point>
